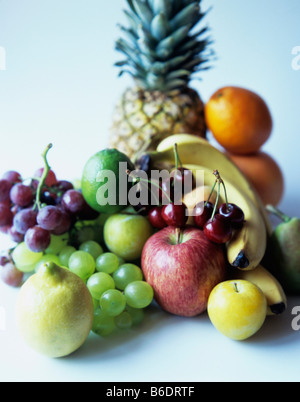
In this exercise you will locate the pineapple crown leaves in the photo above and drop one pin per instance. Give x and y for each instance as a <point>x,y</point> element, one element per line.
<point>161,45</point>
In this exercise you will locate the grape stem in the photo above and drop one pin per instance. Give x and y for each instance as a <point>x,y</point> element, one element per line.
<point>42,179</point>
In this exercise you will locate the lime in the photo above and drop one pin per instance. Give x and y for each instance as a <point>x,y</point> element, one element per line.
<point>55,311</point>
<point>102,176</point>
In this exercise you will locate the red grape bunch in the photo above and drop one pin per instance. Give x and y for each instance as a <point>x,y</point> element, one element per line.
<point>31,210</point>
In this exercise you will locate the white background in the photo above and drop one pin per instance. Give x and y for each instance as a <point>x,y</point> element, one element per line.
<point>60,86</point>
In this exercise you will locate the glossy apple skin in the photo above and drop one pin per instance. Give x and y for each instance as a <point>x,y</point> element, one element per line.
<point>183,275</point>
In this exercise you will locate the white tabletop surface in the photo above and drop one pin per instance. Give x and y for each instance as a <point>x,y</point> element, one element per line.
<point>59,86</point>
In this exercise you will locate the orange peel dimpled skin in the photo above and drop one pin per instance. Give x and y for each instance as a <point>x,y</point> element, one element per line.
<point>239,120</point>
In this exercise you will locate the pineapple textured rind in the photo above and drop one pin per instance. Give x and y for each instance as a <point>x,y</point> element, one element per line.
<point>143,124</point>
<point>162,48</point>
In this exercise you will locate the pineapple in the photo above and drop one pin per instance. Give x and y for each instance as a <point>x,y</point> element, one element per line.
<point>162,51</point>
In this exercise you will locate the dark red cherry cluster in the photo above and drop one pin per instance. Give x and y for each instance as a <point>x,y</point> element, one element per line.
<point>170,211</point>
<point>218,223</point>
<point>168,193</point>
<point>175,212</point>
<point>168,215</point>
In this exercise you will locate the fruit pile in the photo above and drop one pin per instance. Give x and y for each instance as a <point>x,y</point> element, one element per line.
<point>102,249</point>
<point>240,228</point>
<point>100,254</point>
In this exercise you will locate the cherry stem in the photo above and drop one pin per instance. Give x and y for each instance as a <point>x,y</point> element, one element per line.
<point>275,211</point>
<point>211,193</point>
<point>217,174</point>
<point>225,192</point>
<point>42,180</point>
<point>139,179</point>
<point>177,158</point>
<point>217,202</point>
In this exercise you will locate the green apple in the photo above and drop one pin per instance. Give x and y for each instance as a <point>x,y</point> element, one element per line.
<point>237,308</point>
<point>126,234</point>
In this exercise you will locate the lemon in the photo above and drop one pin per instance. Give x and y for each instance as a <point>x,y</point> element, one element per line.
<point>54,311</point>
<point>100,191</point>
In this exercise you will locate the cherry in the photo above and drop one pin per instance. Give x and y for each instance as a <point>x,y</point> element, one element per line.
<point>175,215</point>
<point>218,229</point>
<point>155,218</point>
<point>233,213</point>
<point>182,174</point>
<point>174,186</point>
<point>202,213</point>
<point>166,192</point>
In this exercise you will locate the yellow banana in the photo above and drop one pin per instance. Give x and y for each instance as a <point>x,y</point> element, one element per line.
<point>247,246</point>
<point>269,285</point>
<point>168,142</point>
<point>198,151</point>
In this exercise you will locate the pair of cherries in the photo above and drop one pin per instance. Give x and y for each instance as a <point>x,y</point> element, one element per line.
<point>218,227</point>
<point>168,215</point>
<point>173,214</point>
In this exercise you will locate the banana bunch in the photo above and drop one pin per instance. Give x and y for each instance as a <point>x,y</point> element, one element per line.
<point>247,247</point>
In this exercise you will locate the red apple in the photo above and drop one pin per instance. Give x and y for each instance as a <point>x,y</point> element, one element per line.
<point>183,269</point>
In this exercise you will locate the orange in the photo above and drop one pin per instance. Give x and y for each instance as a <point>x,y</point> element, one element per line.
<point>239,119</point>
<point>264,173</point>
